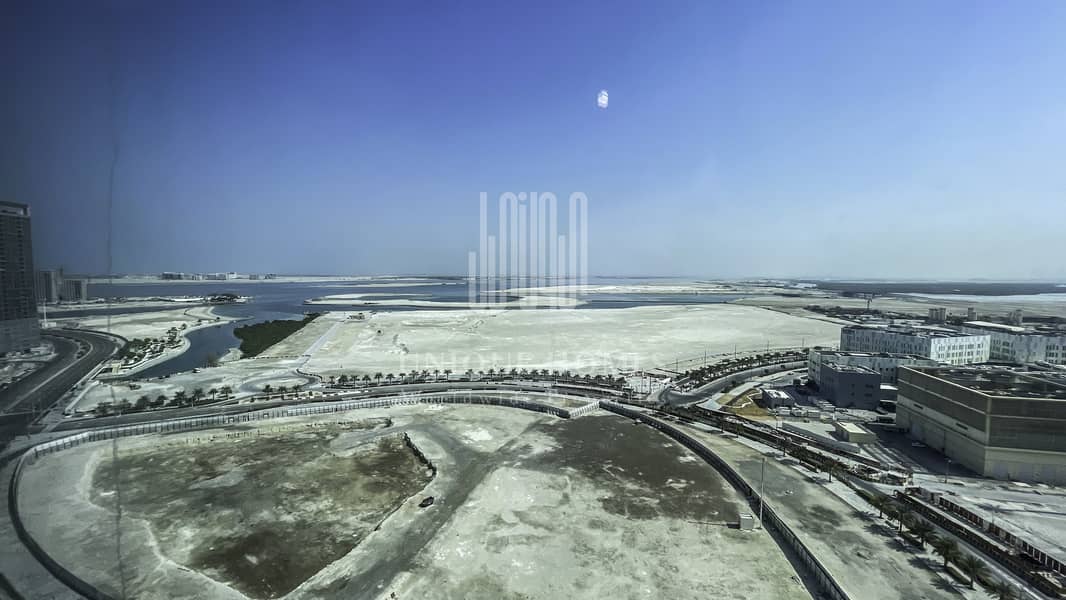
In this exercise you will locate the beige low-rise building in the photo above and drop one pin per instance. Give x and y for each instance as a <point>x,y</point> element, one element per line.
<point>1001,423</point>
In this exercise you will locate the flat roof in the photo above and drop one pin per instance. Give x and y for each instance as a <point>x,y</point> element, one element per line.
<point>14,209</point>
<point>1045,332</point>
<point>1004,382</point>
<point>997,326</point>
<point>914,330</point>
<point>850,368</point>
<point>850,427</point>
<point>868,354</point>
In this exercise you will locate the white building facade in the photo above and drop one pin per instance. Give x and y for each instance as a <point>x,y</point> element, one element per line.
<point>936,343</point>
<point>1019,344</point>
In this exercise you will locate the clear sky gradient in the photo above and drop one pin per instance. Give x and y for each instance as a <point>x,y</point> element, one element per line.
<point>815,138</point>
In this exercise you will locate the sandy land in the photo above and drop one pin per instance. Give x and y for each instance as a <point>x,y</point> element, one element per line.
<point>245,377</point>
<point>527,506</point>
<point>523,302</point>
<point>153,324</point>
<point>636,288</point>
<point>597,341</point>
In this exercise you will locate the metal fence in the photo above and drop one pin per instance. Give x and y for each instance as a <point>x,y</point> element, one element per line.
<point>207,422</point>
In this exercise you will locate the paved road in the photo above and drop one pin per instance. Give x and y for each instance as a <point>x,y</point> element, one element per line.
<point>79,352</point>
<point>372,392</point>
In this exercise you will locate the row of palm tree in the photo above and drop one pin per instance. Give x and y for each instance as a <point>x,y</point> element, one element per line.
<point>180,399</point>
<point>469,374</point>
<point>729,366</point>
<point>945,547</point>
<point>281,389</point>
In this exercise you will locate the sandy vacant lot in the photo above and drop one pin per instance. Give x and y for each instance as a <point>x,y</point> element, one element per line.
<point>584,340</point>
<point>527,506</point>
<point>152,324</point>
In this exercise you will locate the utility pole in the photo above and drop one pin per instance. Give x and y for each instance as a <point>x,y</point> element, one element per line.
<point>762,480</point>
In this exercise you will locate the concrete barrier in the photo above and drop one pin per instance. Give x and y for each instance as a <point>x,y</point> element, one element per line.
<point>829,587</point>
<point>57,570</point>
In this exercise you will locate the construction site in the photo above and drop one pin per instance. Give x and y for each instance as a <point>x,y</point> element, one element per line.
<point>409,501</point>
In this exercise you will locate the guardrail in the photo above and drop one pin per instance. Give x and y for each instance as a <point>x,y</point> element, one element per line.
<point>206,422</point>
<point>57,570</point>
<point>829,587</point>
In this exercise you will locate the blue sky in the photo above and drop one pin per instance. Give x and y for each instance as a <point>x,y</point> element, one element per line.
<point>901,139</point>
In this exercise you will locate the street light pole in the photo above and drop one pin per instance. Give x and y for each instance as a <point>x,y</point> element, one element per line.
<point>762,481</point>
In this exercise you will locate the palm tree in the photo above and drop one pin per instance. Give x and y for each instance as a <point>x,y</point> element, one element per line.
<point>881,502</point>
<point>197,395</point>
<point>974,568</point>
<point>1003,590</point>
<point>212,392</point>
<point>366,378</point>
<point>160,400</point>
<point>180,397</point>
<point>226,390</point>
<point>268,388</point>
<point>389,378</point>
<point>947,548</point>
<point>377,377</point>
<point>923,529</point>
<point>904,515</point>
<point>837,470</point>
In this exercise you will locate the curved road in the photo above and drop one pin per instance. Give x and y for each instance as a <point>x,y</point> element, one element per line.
<point>79,353</point>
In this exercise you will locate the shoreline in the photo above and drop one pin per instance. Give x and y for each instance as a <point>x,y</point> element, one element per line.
<point>209,316</point>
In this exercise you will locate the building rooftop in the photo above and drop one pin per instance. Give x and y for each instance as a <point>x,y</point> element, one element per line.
<point>1004,382</point>
<point>925,331</point>
<point>850,427</point>
<point>870,354</point>
<point>850,368</point>
<point>1045,331</point>
<point>14,209</point>
<point>996,326</point>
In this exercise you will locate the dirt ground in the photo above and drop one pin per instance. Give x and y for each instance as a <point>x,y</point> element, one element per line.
<point>526,506</point>
<point>234,507</point>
